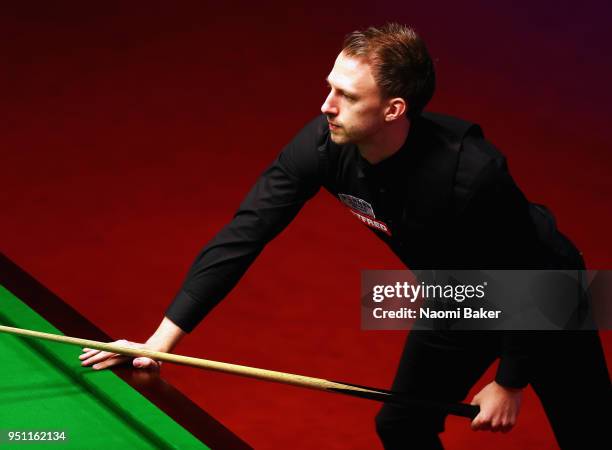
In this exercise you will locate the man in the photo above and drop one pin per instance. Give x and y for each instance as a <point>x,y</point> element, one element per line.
<point>440,196</point>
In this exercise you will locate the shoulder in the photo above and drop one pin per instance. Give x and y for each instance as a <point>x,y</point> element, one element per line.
<point>462,144</point>
<point>447,130</point>
<point>478,159</point>
<point>481,166</point>
<point>313,134</point>
<point>446,124</point>
<point>300,156</point>
<point>481,161</point>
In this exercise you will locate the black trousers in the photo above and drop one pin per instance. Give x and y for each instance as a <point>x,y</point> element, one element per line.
<point>567,371</point>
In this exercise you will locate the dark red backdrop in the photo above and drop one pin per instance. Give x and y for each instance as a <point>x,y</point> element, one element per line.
<point>130,132</point>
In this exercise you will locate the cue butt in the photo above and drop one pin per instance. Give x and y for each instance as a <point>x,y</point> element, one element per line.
<point>407,401</point>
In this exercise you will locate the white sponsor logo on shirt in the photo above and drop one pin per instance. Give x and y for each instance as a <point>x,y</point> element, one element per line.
<point>356,204</point>
<point>372,223</point>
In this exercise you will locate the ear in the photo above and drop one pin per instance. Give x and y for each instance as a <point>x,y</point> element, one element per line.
<point>396,108</point>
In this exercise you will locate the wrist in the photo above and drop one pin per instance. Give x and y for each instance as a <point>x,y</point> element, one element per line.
<point>166,337</point>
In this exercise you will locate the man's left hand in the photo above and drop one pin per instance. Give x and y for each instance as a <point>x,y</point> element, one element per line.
<point>499,408</point>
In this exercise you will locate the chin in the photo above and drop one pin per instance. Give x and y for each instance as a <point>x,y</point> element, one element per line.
<point>339,139</point>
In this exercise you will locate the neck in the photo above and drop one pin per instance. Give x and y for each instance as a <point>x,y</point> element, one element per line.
<point>386,142</point>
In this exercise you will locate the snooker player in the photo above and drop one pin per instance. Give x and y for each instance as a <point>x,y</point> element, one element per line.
<point>440,196</point>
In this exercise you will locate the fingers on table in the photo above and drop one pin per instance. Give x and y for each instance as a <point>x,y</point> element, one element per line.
<point>88,353</point>
<point>97,357</point>
<point>112,361</point>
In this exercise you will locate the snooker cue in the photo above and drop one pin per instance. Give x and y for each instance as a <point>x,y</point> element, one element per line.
<point>321,384</point>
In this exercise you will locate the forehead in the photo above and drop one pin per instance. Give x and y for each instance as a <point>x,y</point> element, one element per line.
<point>352,74</point>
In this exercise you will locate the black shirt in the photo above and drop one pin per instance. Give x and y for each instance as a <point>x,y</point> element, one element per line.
<point>444,200</point>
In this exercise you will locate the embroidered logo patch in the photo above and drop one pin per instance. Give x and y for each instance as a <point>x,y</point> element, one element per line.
<point>364,212</point>
<point>356,204</point>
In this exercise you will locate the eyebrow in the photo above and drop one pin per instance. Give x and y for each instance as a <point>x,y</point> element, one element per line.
<point>344,91</point>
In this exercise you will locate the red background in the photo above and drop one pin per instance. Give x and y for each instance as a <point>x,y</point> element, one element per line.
<point>130,132</point>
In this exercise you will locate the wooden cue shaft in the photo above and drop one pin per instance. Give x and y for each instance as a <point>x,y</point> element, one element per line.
<point>270,375</point>
<point>252,372</point>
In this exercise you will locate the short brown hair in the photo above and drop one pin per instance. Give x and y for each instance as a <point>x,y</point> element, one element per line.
<point>402,66</point>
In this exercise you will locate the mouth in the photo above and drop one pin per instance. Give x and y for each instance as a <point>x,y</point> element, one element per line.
<point>333,126</point>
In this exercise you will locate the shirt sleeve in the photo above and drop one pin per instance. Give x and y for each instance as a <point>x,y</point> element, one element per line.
<point>274,200</point>
<point>498,217</point>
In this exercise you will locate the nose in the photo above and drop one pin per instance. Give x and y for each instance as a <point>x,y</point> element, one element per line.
<point>328,107</point>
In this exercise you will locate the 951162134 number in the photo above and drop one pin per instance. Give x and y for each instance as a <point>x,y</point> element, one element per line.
<point>32,435</point>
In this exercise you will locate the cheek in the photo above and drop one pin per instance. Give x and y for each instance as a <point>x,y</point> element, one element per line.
<point>367,117</point>
<point>360,118</point>
<point>356,115</point>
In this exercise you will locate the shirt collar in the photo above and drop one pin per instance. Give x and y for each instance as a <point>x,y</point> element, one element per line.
<point>394,162</point>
